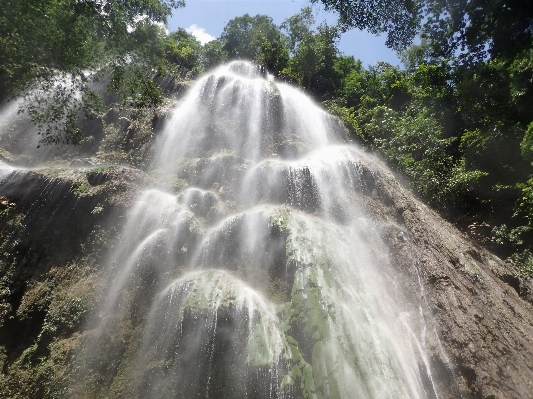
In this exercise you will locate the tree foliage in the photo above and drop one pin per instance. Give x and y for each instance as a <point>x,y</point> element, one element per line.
<point>298,28</point>
<point>182,48</point>
<point>315,55</point>
<point>213,54</point>
<point>476,29</point>
<point>69,35</point>
<point>55,49</point>
<point>256,39</point>
<point>456,122</point>
<point>398,18</point>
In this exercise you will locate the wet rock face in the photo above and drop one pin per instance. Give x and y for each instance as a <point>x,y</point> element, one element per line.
<point>54,202</point>
<point>52,219</point>
<point>481,315</point>
<point>203,351</point>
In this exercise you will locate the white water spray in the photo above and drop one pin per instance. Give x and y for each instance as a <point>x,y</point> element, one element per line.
<point>252,272</point>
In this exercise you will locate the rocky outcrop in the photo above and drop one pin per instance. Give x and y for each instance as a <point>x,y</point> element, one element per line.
<point>480,310</point>
<point>55,226</point>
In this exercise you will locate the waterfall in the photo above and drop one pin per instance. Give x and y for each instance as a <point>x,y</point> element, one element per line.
<point>235,244</point>
<point>250,268</point>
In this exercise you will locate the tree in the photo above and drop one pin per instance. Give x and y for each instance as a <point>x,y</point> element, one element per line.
<point>478,29</point>
<point>69,35</point>
<point>315,60</point>
<point>184,50</point>
<point>237,38</point>
<point>256,39</point>
<point>213,54</point>
<point>475,28</point>
<point>299,27</point>
<point>51,50</point>
<point>315,54</point>
<point>400,19</point>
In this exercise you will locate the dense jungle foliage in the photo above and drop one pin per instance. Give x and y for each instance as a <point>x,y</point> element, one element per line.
<point>456,121</point>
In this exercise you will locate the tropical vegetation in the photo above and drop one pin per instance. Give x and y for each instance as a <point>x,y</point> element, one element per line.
<point>456,121</point>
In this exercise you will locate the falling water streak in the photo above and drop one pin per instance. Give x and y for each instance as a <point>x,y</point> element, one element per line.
<point>423,302</point>
<point>213,328</point>
<point>131,262</point>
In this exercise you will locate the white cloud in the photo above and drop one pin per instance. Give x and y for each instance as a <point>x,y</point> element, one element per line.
<point>198,32</point>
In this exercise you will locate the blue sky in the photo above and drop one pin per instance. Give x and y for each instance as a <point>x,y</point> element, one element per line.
<point>207,18</point>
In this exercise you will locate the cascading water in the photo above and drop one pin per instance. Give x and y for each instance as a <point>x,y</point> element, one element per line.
<point>251,271</point>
